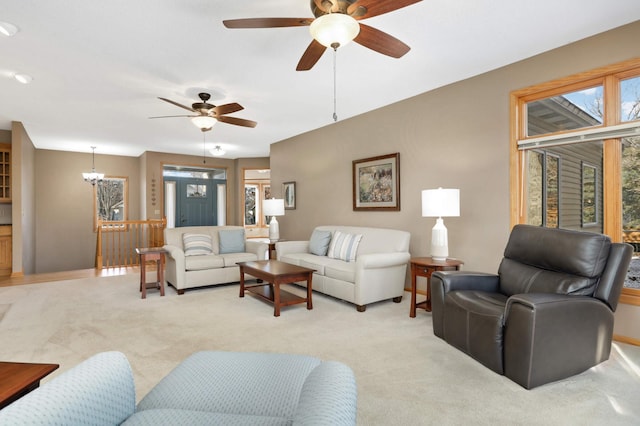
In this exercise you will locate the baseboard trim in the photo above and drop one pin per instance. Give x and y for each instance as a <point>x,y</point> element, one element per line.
<point>625,339</point>
<point>17,274</point>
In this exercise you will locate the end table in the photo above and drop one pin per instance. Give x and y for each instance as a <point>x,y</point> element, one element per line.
<point>424,267</point>
<point>147,255</point>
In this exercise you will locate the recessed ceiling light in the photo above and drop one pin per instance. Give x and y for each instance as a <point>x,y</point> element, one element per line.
<point>23,78</point>
<point>8,29</point>
<point>217,151</point>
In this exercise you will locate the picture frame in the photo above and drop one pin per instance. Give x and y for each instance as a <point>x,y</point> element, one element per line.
<point>376,183</point>
<point>289,195</point>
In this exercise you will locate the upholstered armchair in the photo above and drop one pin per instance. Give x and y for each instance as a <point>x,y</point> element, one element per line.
<point>548,312</point>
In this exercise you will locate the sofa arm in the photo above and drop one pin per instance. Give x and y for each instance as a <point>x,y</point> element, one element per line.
<point>288,247</point>
<point>552,336</point>
<point>259,248</point>
<point>443,282</point>
<point>100,390</point>
<point>328,397</point>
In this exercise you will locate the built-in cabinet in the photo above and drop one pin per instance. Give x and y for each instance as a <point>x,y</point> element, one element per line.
<point>5,250</point>
<point>5,197</point>
<point>5,173</point>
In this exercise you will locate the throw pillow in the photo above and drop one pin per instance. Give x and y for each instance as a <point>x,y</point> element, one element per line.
<point>197,244</point>
<point>231,241</point>
<point>319,242</point>
<point>344,246</point>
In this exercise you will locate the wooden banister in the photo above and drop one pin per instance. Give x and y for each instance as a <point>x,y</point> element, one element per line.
<point>117,241</point>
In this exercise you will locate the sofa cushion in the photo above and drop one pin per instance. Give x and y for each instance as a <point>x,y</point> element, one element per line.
<point>168,416</point>
<point>231,240</point>
<point>319,263</point>
<point>199,263</point>
<point>234,382</point>
<point>319,242</point>
<point>230,259</point>
<point>344,246</point>
<point>196,244</point>
<point>344,271</point>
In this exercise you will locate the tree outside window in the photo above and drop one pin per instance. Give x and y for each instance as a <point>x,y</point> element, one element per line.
<point>111,199</point>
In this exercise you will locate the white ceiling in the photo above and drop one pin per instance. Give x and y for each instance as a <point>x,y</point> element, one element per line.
<point>99,66</point>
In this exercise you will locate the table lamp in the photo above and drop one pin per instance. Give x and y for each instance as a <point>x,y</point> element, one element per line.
<point>273,207</point>
<point>440,203</point>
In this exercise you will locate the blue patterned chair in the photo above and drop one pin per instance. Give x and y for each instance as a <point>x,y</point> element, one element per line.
<point>230,388</point>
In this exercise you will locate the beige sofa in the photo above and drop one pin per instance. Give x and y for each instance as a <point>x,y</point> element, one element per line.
<point>211,256</point>
<point>376,271</point>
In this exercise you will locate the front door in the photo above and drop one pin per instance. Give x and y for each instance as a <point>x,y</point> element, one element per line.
<point>197,202</point>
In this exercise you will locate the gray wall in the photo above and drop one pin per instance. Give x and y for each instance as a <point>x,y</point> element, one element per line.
<point>456,136</point>
<point>66,239</point>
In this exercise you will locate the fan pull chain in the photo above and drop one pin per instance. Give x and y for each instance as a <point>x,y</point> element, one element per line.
<point>204,150</point>
<point>335,56</point>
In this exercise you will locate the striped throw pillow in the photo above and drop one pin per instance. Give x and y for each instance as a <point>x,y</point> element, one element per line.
<point>197,244</point>
<point>344,246</point>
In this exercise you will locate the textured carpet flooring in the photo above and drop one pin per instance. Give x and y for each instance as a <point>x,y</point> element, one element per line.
<point>405,375</point>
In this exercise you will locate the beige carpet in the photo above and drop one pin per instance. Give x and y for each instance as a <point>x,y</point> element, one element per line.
<point>405,375</point>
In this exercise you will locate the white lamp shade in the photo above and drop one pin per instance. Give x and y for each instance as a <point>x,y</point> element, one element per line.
<point>440,202</point>
<point>334,28</point>
<point>273,207</point>
<point>203,121</point>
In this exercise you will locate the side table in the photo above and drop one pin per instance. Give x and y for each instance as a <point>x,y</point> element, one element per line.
<point>424,267</point>
<point>147,255</point>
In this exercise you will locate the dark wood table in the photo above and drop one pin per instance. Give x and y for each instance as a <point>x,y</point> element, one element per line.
<point>424,267</point>
<point>148,255</point>
<point>275,273</point>
<point>19,378</point>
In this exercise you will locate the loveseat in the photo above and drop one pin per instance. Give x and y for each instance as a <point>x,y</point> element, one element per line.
<point>546,315</point>
<point>358,264</point>
<point>204,255</point>
<point>208,388</point>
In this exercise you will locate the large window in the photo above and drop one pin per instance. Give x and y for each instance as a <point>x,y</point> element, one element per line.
<point>111,199</point>
<point>576,154</point>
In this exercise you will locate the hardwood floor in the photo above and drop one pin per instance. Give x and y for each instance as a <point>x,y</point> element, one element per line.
<point>67,275</point>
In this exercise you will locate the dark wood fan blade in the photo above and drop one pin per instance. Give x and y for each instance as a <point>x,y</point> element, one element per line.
<point>311,56</point>
<point>237,121</point>
<point>381,42</point>
<point>171,116</point>
<point>267,22</point>
<point>227,109</point>
<point>379,7</point>
<point>178,105</point>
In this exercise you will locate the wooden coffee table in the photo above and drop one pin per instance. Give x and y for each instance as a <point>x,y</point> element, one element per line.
<point>19,378</point>
<point>275,273</point>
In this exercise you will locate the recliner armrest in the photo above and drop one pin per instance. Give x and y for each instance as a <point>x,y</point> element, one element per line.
<point>551,336</point>
<point>464,280</point>
<point>443,282</point>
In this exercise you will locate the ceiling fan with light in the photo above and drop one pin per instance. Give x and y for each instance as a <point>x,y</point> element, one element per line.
<point>207,115</point>
<point>336,24</point>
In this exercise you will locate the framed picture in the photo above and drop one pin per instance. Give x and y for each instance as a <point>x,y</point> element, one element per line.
<point>289,194</point>
<point>376,183</point>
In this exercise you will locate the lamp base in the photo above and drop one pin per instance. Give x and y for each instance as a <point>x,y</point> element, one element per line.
<point>274,230</point>
<point>439,241</point>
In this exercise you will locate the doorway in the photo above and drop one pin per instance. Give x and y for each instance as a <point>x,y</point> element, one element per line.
<point>194,196</point>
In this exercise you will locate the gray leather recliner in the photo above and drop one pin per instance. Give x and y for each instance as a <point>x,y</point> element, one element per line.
<point>548,312</point>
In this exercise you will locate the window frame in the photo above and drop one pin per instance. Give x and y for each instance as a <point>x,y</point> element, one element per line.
<point>609,77</point>
<point>125,202</point>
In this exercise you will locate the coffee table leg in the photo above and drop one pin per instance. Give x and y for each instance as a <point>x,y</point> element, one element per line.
<point>309,291</point>
<point>241,281</point>
<point>276,299</point>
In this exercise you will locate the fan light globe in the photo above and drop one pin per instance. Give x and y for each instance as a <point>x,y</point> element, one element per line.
<point>334,28</point>
<point>204,122</point>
